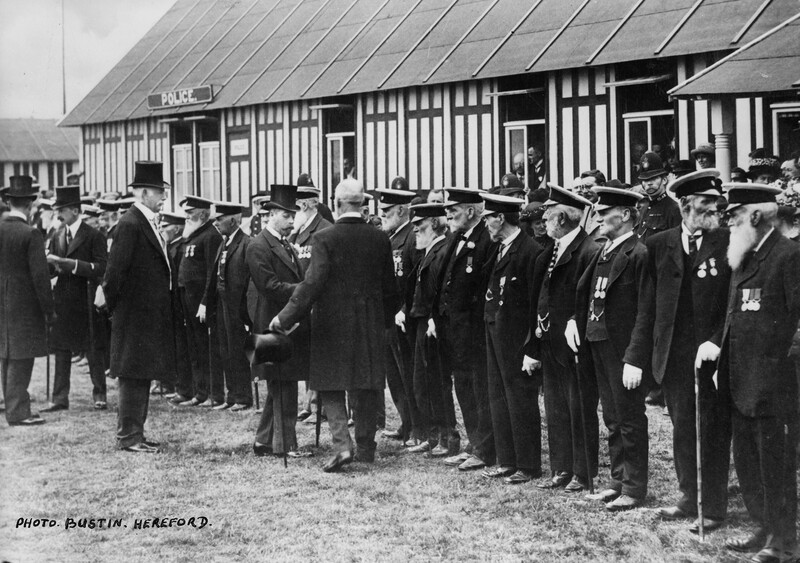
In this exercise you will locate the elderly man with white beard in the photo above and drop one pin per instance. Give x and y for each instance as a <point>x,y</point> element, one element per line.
<point>756,372</point>
<point>692,275</point>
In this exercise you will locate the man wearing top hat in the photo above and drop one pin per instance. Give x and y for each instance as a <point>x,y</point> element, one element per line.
<point>137,287</point>
<point>513,393</point>
<point>351,287</point>
<point>395,216</point>
<point>77,259</point>
<point>614,315</point>
<point>691,274</point>
<point>756,371</point>
<point>229,285</point>
<point>462,340</point>
<point>26,300</point>
<point>201,240</point>
<point>275,270</point>
<point>571,411</point>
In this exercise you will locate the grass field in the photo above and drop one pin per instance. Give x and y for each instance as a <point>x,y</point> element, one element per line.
<point>403,507</point>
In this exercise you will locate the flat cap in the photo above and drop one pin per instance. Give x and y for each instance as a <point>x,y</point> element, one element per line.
<point>424,210</point>
<point>562,196</point>
<point>463,195</point>
<point>196,202</point>
<point>391,197</point>
<point>739,194</point>
<point>701,182</point>
<point>223,208</point>
<point>496,203</point>
<point>615,197</point>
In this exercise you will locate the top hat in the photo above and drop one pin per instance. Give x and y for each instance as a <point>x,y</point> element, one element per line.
<point>615,197</point>
<point>651,166</point>
<point>562,196</point>
<point>21,187</point>
<point>702,182</point>
<point>282,196</point>
<point>148,174</point>
<point>68,196</point>
<point>271,347</point>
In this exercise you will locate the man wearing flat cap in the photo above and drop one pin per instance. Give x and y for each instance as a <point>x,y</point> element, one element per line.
<point>614,315</point>
<point>513,393</point>
<point>201,240</point>
<point>26,302</point>
<point>461,331</point>
<point>691,274</point>
<point>137,288</point>
<point>571,410</point>
<point>756,371</point>
<point>276,270</point>
<point>77,260</point>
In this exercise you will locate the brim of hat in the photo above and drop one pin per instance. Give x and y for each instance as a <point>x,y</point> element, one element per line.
<point>487,212</point>
<point>164,186</point>
<point>708,192</point>
<point>550,202</point>
<point>603,206</point>
<point>21,196</point>
<point>272,205</point>
<point>654,174</point>
<point>417,218</point>
<point>382,205</point>
<point>69,204</point>
<point>732,206</point>
<point>695,152</point>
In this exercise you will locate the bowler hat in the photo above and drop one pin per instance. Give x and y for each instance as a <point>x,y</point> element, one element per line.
<point>282,196</point>
<point>148,174</point>
<point>271,347</point>
<point>67,196</point>
<point>21,187</point>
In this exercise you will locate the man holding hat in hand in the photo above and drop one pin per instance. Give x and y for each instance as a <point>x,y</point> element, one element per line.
<point>691,274</point>
<point>137,288</point>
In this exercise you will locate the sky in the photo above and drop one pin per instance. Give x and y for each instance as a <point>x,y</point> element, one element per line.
<point>98,33</point>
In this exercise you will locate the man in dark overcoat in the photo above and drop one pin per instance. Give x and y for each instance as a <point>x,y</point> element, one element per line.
<point>571,411</point>
<point>614,314</point>
<point>77,258</point>
<point>513,393</point>
<point>461,334</point>
<point>756,371</point>
<point>275,270</point>
<point>351,286</point>
<point>691,274</point>
<point>137,290</point>
<point>26,300</point>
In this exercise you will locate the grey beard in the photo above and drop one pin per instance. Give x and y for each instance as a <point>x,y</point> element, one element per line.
<point>742,241</point>
<point>190,227</point>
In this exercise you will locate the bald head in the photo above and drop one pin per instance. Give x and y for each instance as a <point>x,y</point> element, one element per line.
<point>349,196</point>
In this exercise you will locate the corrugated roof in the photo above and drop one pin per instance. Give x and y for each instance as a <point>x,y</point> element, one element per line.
<point>251,51</point>
<point>770,63</point>
<point>37,140</point>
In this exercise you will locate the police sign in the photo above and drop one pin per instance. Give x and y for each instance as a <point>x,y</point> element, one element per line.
<point>182,97</point>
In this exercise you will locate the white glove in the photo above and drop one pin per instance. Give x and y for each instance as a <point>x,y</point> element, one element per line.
<point>706,352</point>
<point>571,334</point>
<point>631,376</point>
<point>431,332</point>
<point>201,313</point>
<point>99,297</point>
<point>275,325</point>
<point>400,320</point>
<point>529,365</point>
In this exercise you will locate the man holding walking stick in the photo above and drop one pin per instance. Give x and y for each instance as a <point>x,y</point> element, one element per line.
<point>691,274</point>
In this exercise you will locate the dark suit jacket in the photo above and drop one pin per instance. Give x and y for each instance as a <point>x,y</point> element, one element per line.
<point>657,217</point>
<point>405,257</point>
<point>198,262</point>
<point>560,289</point>
<point>629,303</point>
<point>137,290</point>
<point>275,274</point>
<point>302,240</point>
<point>428,275</point>
<point>25,294</point>
<point>755,363</point>
<point>230,284</point>
<point>72,293</point>
<point>709,293</point>
<point>351,287</point>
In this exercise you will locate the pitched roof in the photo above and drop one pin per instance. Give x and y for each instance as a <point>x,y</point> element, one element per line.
<point>37,140</point>
<point>770,63</point>
<point>254,51</point>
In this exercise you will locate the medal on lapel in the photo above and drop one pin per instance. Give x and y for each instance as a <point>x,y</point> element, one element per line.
<point>541,327</point>
<point>713,267</point>
<point>189,252</point>
<point>701,270</point>
<point>600,288</point>
<point>502,288</point>
<point>397,257</point>
<point>751,299</point>
<point>469,264</point>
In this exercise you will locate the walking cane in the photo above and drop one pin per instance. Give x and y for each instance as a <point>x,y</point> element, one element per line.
<point>47,372</point>
<point>318,425</point>
<point>255,393</point>
<point>583,426</point>
<point>699,454</point>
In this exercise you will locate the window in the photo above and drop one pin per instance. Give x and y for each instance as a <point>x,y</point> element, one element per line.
<point>183,172</point>
<point>209,170</point>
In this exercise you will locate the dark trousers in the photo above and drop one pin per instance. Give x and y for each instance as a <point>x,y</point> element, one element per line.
<point>183,364</point>
<point>363,402</point>
<point>625,418</point>
<point>231,335</point>
<point>514,404</point>
<point>428,387</point>
<point>134,398</point>
<point>403,344</point>
<point>571,414</point>
<point>764,452</point>
<point>715,440</point>
<point>277,425</point>
<point>202,345</point>
<point>16,376</point>
<point>61,379</point>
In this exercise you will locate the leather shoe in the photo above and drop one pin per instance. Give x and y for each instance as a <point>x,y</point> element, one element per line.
<point>497,472</point>
<point>30,421</point>
<point>674,513</point>
<point>53,408</point>
<point>337,462</point>
<point>411,442</point>
<point>521,476</point>
<point>193,402</point>
<point>747,543</point>
<point>471,463</point>
<point>606,495</point>
<point>456,460</point>
<point>177,399</point>
<point>141,448</point>
<point>392,434</point>
<point>623,502</point>
<point>364,457</point>
<point>239,407</point>
<point>262,450</point>
<point>440,451</point>
<point>560,479</point>
<point>151,443</point>
<point>221,407</point>
<point>576,485</point>
<point>302,415</point>
<point>100,406</point>
<point>420,448</point>
<point>767,555</point>
<point>709,525</point>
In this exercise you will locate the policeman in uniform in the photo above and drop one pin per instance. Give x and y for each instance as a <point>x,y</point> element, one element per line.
<point>614,314</point>
<point>691,273</point>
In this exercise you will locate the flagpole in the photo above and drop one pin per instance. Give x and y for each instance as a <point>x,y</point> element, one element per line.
<point>63,66</point>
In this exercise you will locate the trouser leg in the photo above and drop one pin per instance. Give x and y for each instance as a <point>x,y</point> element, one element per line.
<point>583,417</point>
<point>336,409</point>
<point>61,380</point>
<point>501,419</point>
<point>134,398</point>
<point>16,377</point>
<point>364,401</point>
<point>556,380</point>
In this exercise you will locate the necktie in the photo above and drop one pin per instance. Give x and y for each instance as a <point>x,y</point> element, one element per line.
<point>553,260</point>
<point>501,252</point>
<point>288,248</point>
<point>461,242</point>
<point>69,237</point>
<point>693,244</point>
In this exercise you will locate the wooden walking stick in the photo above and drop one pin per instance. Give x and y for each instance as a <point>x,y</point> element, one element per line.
<point>583,426</point>
<point>255,393</point>
<point>318,425</point>
<point>699,454</point>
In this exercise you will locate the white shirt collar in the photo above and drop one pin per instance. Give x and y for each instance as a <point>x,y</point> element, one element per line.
<point>617,241</point>
<point>20,214</point>
<point>351,214</point>
<point>566,240</point>
<point>148,214</point>
<point>469,231</point>
<point>73,229</point>
<point>685,234</point>
<point>766,236</point>
<point>433,243</point>
<point>510,238</point>
<point>273,232</point>
<point>231,237</point>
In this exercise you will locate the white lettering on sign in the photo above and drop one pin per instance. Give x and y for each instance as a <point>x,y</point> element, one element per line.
<point>184,97</point>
